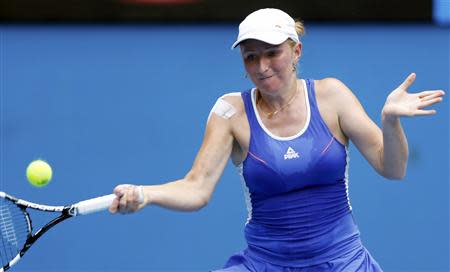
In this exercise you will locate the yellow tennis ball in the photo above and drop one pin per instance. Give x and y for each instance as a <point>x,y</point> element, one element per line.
<point>39,173</point>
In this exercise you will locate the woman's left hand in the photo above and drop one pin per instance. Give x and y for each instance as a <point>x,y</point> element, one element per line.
<point>401,103</point>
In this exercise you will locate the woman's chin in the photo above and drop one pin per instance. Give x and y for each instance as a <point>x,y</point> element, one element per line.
<point>268,88</point>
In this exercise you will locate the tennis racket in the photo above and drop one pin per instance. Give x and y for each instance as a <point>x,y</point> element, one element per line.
<point>16,227</point>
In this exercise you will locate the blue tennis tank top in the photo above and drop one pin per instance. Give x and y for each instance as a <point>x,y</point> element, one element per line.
<point>296,191</point>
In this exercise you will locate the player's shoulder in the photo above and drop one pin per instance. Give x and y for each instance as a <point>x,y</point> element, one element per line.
<point>329,84</point>
<point>234,99</point>
<point>331,92</point>
<point>231,97</point>
<point>228,106</point>
<point>331,87</point>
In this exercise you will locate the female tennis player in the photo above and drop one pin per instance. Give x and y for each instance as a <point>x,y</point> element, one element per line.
<point>288,138</point>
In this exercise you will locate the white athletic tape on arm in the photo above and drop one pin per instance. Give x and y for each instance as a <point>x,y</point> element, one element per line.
<point>222,108</point>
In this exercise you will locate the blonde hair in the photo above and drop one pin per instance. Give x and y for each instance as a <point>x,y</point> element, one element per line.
<point>300,29</point>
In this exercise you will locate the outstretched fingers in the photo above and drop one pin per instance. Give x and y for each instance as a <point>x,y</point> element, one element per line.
<point>425,112</point>
<point>408,81</point>
<point>429,98</point>
<point>428,95</point>
<point>429,102</point>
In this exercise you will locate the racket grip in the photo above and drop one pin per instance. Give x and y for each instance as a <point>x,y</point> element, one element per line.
<point>94,205</point>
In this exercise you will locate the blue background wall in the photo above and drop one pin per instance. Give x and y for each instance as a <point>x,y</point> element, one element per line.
<point>106,105</point>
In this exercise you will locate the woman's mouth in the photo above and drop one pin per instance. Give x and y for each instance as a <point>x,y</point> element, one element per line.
<point>265,77</point>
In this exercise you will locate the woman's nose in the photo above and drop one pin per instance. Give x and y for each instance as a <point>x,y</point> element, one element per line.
<point>263,64</point>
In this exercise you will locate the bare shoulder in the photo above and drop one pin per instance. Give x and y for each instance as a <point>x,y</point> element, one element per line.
<point>332,90</point>
<point>331,87</point>
<point>239,126</point>
<point>337,105</point>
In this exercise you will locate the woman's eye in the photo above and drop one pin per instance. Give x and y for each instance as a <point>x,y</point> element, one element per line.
<point>250,57</point>
<point>272,53</point>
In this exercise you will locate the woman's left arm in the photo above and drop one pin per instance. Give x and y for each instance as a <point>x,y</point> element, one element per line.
<point>385,149</point>
<point>400,103</point>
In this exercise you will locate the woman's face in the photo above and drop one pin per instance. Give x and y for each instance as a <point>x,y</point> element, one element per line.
<point>270,67</point>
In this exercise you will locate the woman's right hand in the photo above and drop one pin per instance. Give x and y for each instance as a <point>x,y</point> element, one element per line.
<point>129,198</point>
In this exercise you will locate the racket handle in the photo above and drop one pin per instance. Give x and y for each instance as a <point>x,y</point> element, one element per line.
<point>94,205</point>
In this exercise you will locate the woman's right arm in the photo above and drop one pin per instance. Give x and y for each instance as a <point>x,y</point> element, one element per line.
<point>192,192</point>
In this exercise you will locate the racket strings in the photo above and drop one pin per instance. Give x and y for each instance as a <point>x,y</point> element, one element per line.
<point>14,229</point>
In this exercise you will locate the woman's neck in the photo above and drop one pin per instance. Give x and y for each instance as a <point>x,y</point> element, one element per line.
<point>271,105</point>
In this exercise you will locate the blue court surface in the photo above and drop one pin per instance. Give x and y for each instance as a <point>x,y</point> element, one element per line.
<point>111,104</point>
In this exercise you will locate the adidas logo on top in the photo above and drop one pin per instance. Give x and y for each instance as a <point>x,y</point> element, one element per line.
<point>291,154</point>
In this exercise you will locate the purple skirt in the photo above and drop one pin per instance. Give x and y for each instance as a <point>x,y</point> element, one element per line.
<point>357,261</point>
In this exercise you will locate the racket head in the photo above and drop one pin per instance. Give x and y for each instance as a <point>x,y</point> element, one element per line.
<point>15,230</point>
<point>16,235</point>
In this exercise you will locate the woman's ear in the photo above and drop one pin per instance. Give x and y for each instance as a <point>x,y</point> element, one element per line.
<point>298,51</point>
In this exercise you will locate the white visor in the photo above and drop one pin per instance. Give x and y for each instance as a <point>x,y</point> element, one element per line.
<point>269,25</point>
